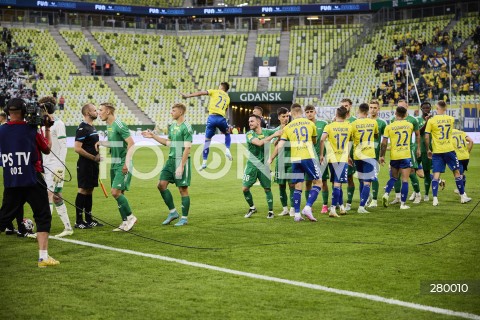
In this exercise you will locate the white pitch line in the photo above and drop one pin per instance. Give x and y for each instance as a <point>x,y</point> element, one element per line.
<point>280,280</point>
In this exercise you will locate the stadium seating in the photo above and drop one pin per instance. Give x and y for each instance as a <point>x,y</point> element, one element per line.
<point>161,64</point>
<point>304,101</point>
<point>243,84</point>
<point>281,84</point>
<point>160,73</point>
<point>359,76</point>
<point>79,90</point>
<point>465,27</point>
<point>59,77</point>
<point>50,59</point>
<point>312,47</point>
<point>78,42</point>
<point>268,45</point>
<point>214,58</point>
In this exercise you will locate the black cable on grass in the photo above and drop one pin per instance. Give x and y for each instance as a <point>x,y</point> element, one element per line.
<point>259,245</point>
<point>451,231</point>
<point>275,243</point>
<point>135,234</point>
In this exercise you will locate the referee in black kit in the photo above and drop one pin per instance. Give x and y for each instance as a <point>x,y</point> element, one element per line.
<point>21,148</point>
<point>86,139</point>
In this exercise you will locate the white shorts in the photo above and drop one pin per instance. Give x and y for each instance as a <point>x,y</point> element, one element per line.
<point>49,169</point>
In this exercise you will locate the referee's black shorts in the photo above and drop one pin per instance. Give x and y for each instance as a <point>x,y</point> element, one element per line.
<point>87,173</point>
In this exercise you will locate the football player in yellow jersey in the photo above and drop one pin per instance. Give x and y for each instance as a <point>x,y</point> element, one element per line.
<point>439,130</point>
<point>338,134</point>
<point>463,145</point>
<point>217,107</point>
<point>364,134</point>
<point>414,156</point>
<point>300,134</point>
<point>311,114</point>
<point>400,134</point>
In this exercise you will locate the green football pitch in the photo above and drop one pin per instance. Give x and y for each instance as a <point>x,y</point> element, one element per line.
<point>223,266</point>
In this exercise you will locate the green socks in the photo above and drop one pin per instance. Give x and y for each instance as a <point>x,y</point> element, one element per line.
<point>283,195</point>
<point>269,195</point>
<point>325,197</point>
<point>398,184</point>
<point>168,199</point>
<point>248,197</point>
<point>123,207</point>
<point>350,191</point>
<point>415,184</point>
<point>427,182</point>
<point>185,206</point>
<point>375,186</point>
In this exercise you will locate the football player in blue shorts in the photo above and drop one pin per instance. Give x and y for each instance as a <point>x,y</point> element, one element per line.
<point>439,131</point>
<point>399,133</point>
<point>217,107</point>
<point>336,143</point>
<point>301,134</point>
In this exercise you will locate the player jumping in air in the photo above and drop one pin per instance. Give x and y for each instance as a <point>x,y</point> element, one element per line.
<point>217,107</point>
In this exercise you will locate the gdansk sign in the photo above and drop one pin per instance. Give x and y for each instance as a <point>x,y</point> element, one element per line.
<point>261,97</point>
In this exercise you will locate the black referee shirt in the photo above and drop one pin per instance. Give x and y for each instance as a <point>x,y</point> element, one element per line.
<point>88,136</point>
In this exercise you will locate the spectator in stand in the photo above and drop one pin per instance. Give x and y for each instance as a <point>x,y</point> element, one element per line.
<point>61,103</point>
<point>106,69</point>
<point>93,66</point>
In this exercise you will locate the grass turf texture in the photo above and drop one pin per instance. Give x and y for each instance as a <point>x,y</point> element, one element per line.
<point>374,253</point>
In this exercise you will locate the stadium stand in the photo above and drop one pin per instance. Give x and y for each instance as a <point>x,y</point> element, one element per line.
<point>359,78</point>
<point>167,65</point>
<point>312,47</point>
<point>78,42</point>
<point>50,59</point>
<point>79,90</point>
<point>160,73</point>
<point>243,84</point>
<point>268,45</point>
<point>59,76</point>
<point>281,84</point>
<point>429,60</point>
<point>214,58</point>
<point>464,28</point>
